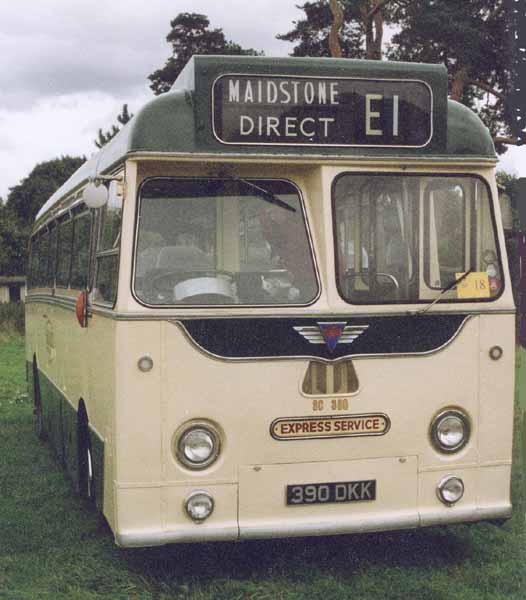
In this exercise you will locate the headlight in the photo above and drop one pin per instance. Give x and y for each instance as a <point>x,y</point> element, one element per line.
<point>450,490</point>
<point>450,431</point>
<point>199,506</point>
<point>198,446</point>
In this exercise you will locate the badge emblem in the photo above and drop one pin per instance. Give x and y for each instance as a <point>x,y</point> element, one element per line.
<point>331,333</point>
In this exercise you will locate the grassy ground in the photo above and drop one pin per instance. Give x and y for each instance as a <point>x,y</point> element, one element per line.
<point>52,547</point>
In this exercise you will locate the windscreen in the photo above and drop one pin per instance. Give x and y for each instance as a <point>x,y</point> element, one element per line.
<point>407,238</point>
<point>222,242</point>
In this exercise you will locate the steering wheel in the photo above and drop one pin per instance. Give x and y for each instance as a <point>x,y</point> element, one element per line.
<point>155,290</point>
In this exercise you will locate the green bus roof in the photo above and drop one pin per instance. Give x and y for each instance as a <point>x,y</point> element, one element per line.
<point>181,121</point>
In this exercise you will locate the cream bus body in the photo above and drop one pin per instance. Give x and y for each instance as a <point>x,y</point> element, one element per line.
<point>146,373</point>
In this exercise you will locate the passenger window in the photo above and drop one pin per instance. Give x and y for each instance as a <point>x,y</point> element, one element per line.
<point>107,273</point>
<point>33,263</point>
<point>110,228</point>
<point>43,249</point>
<point>64,253</point>
<point>53,238</point>
<point>81,249</point>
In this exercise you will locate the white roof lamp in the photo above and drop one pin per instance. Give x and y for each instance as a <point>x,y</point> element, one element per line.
<point>96,193</point>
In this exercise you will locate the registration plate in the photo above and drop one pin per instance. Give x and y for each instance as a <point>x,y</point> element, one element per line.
<point>325,493</point>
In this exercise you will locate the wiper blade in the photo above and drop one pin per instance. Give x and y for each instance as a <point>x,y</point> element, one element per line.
<point>453,284</point>
<point>266,195</point>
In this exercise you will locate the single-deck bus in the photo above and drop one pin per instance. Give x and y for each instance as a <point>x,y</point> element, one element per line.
<point>278,303</point>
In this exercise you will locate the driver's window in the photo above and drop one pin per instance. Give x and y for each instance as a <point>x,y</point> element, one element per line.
<point>222,241</point>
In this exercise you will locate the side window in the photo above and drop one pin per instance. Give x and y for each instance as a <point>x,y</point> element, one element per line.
<point>43,260</point>
<point>107,275</point>
<point>65,239</point>
<point>81,249</point>
<point>110,229</point>
<point>105,289</point>
<point>53,239</point>
<point>33,262</point>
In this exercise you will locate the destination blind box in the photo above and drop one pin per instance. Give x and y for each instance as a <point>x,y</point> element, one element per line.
<point>322,111</point>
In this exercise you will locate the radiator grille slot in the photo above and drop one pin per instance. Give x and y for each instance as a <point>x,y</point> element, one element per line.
<point>324,379</point>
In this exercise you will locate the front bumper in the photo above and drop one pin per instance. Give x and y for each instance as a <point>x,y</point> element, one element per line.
<point>255,508</point>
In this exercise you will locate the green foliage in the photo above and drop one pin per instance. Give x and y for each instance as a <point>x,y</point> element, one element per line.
<point>23,203</point>
<point>13,243</point>
<point>122,118</point>
<point>190,34</point>
<point>470,37</point>
<point>510,184</point>
<point>26,198</point>
<point>361,33</point>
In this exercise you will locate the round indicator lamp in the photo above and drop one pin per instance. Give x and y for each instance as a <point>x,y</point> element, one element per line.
<point>199,506</point>
<point>145,364</point>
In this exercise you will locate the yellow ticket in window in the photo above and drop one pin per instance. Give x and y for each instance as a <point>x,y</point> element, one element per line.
<point>475,285</point>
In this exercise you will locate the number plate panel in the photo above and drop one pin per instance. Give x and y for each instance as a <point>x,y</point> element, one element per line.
<point>332,492</point>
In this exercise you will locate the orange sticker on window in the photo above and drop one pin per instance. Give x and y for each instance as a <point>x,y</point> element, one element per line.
<point>475,285</point>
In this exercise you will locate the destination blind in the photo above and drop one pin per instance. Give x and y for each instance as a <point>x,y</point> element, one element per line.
<point>321,111</point>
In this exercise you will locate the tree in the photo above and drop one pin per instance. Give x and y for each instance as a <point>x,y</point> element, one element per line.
<point>190,34</point>
<point>471,37</point>
<point>311,34</point>
<point>23,202</point>
<point>122,118</point>
<point>13,244</point>
<point>360,32</point>
<point>25,199</point>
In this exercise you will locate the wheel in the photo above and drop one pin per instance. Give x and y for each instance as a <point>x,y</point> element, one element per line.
<point>38,417</point>
<point>86,474</point>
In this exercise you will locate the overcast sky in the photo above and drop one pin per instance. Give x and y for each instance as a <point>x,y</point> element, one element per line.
<point>68,67</point>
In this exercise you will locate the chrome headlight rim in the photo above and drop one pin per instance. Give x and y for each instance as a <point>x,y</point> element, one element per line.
<point>438,419</point>
<point>180,437</point>
<point>193,495</point>
<point>442,484</point>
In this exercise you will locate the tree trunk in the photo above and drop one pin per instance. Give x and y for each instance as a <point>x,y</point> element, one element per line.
<point>459,83</point>
<point>373,24</point>
<point>378,34</point>
<point>337,22</point>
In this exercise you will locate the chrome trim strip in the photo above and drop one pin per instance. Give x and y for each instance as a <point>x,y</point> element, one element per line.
<point>283,528</point>
<point>460,513</point>
<point>63,301</point>
<point>204,351</point>
<point>281,158</point>
<point>342,524</point>
<point>159,537</point>
<point>152,315</point>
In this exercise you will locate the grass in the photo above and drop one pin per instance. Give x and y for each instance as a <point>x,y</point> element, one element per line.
<point>53,548</point>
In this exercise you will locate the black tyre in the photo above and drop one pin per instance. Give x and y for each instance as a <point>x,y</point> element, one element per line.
<point>38,418</point>
<point>86,473</point>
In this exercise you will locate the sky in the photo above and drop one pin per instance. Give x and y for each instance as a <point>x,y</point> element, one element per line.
<point>68,67</point>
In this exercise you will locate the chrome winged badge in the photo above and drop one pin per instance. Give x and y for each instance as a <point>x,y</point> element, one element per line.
<point>331,333</point>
